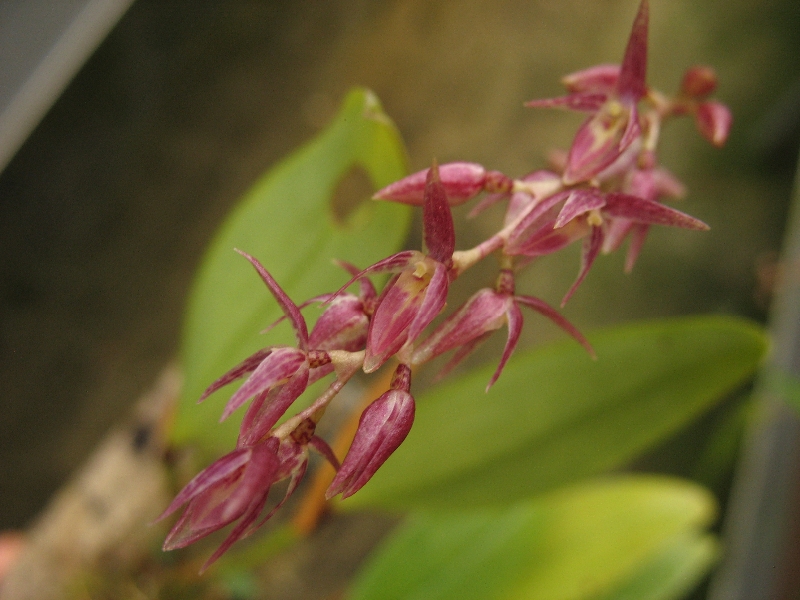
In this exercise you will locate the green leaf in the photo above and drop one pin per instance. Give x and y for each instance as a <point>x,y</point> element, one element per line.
<point>286,221</point>
<point>672,572</point>
<point>556,416</point>
<point>604,539</point>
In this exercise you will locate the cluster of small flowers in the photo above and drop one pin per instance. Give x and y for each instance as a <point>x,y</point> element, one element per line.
<point>607,188</point>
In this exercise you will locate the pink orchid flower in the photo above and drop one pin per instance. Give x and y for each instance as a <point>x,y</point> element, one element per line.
<point>417,293</point>
<point>585,213</point>
<point>236,486</point>
<point>485,312</point>
<point>611,95</point>
<point>278,375</point>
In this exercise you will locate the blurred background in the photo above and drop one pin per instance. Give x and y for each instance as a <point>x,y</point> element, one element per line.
<point>107,207</point>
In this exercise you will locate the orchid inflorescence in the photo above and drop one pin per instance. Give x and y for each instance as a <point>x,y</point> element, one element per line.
<point>606,188</point>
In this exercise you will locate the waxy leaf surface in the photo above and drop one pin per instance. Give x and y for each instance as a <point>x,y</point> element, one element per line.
<point>630,537</point>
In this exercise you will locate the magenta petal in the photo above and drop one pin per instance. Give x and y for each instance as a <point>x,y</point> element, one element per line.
<point>585,102</point>
<point>237,533</point>
<point>391,264</point>
<point>207,513</point>
<point>591,247</point>
<point>638,236</point>
<point>595,147</point>
<point>432,304</point>
<point>246,428</point>
<point>211,475</point>
<point>547,239</point>
<point>274,370</point>
<point>599,79</point>
<point>617,230</point>
<point>288,307</point>
<point>438,230</point>
<point>383,426</point>
<point>632,129</point>
<point>461,181</point>
<point>294,481</point>
<point>514,316</point>
<point>367,290</point>
<point>248,365</point>
<point>634,65</point>
<point>262,416</point>
<point>543,308</point>
<point>228,499</point>
<point>579,202</point>
<point>343,326</point>
<point>262,480</point>
<point>534,215</point>
<point>388,328</point>
<point>648,211</point>
<point>713,120</point>
<point>462,353</point>
<point>667,184</point>
<point>483,312</point>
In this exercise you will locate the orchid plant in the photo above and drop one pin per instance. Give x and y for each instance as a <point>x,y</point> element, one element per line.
<point>606,188</point>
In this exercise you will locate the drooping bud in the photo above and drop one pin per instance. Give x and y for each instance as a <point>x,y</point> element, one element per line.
<point>713,120</point>
<point>698,82</point>
<point>383,426</point>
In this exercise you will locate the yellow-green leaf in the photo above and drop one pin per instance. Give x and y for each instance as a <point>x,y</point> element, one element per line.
<point>598,540</point>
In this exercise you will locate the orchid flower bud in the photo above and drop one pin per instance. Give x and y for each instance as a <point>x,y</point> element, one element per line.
<point>383,426</point>
<point>713,120</point>
<point>699,81</point>
<point>461,181</point>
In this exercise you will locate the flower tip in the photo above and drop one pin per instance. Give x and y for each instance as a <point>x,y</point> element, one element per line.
<point>438,229</point>
<point>713,120</point>
<point>372,363</point>
<point>633,71</point>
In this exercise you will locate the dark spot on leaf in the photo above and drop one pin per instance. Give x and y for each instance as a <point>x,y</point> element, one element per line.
<point>353,188</point>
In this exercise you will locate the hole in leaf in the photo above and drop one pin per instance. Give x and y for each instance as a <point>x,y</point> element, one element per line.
<point>353,188</point>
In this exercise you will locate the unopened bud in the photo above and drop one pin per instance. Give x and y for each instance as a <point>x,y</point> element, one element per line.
<point>713,120</point>
<point>383,426</point>
<point>699,81</point>
<point>461,181</point>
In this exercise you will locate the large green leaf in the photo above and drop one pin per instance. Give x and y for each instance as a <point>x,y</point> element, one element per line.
<point>287,222</point>
<point>606,539</point>
<point>673,571</point>
<point>556,416</point>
